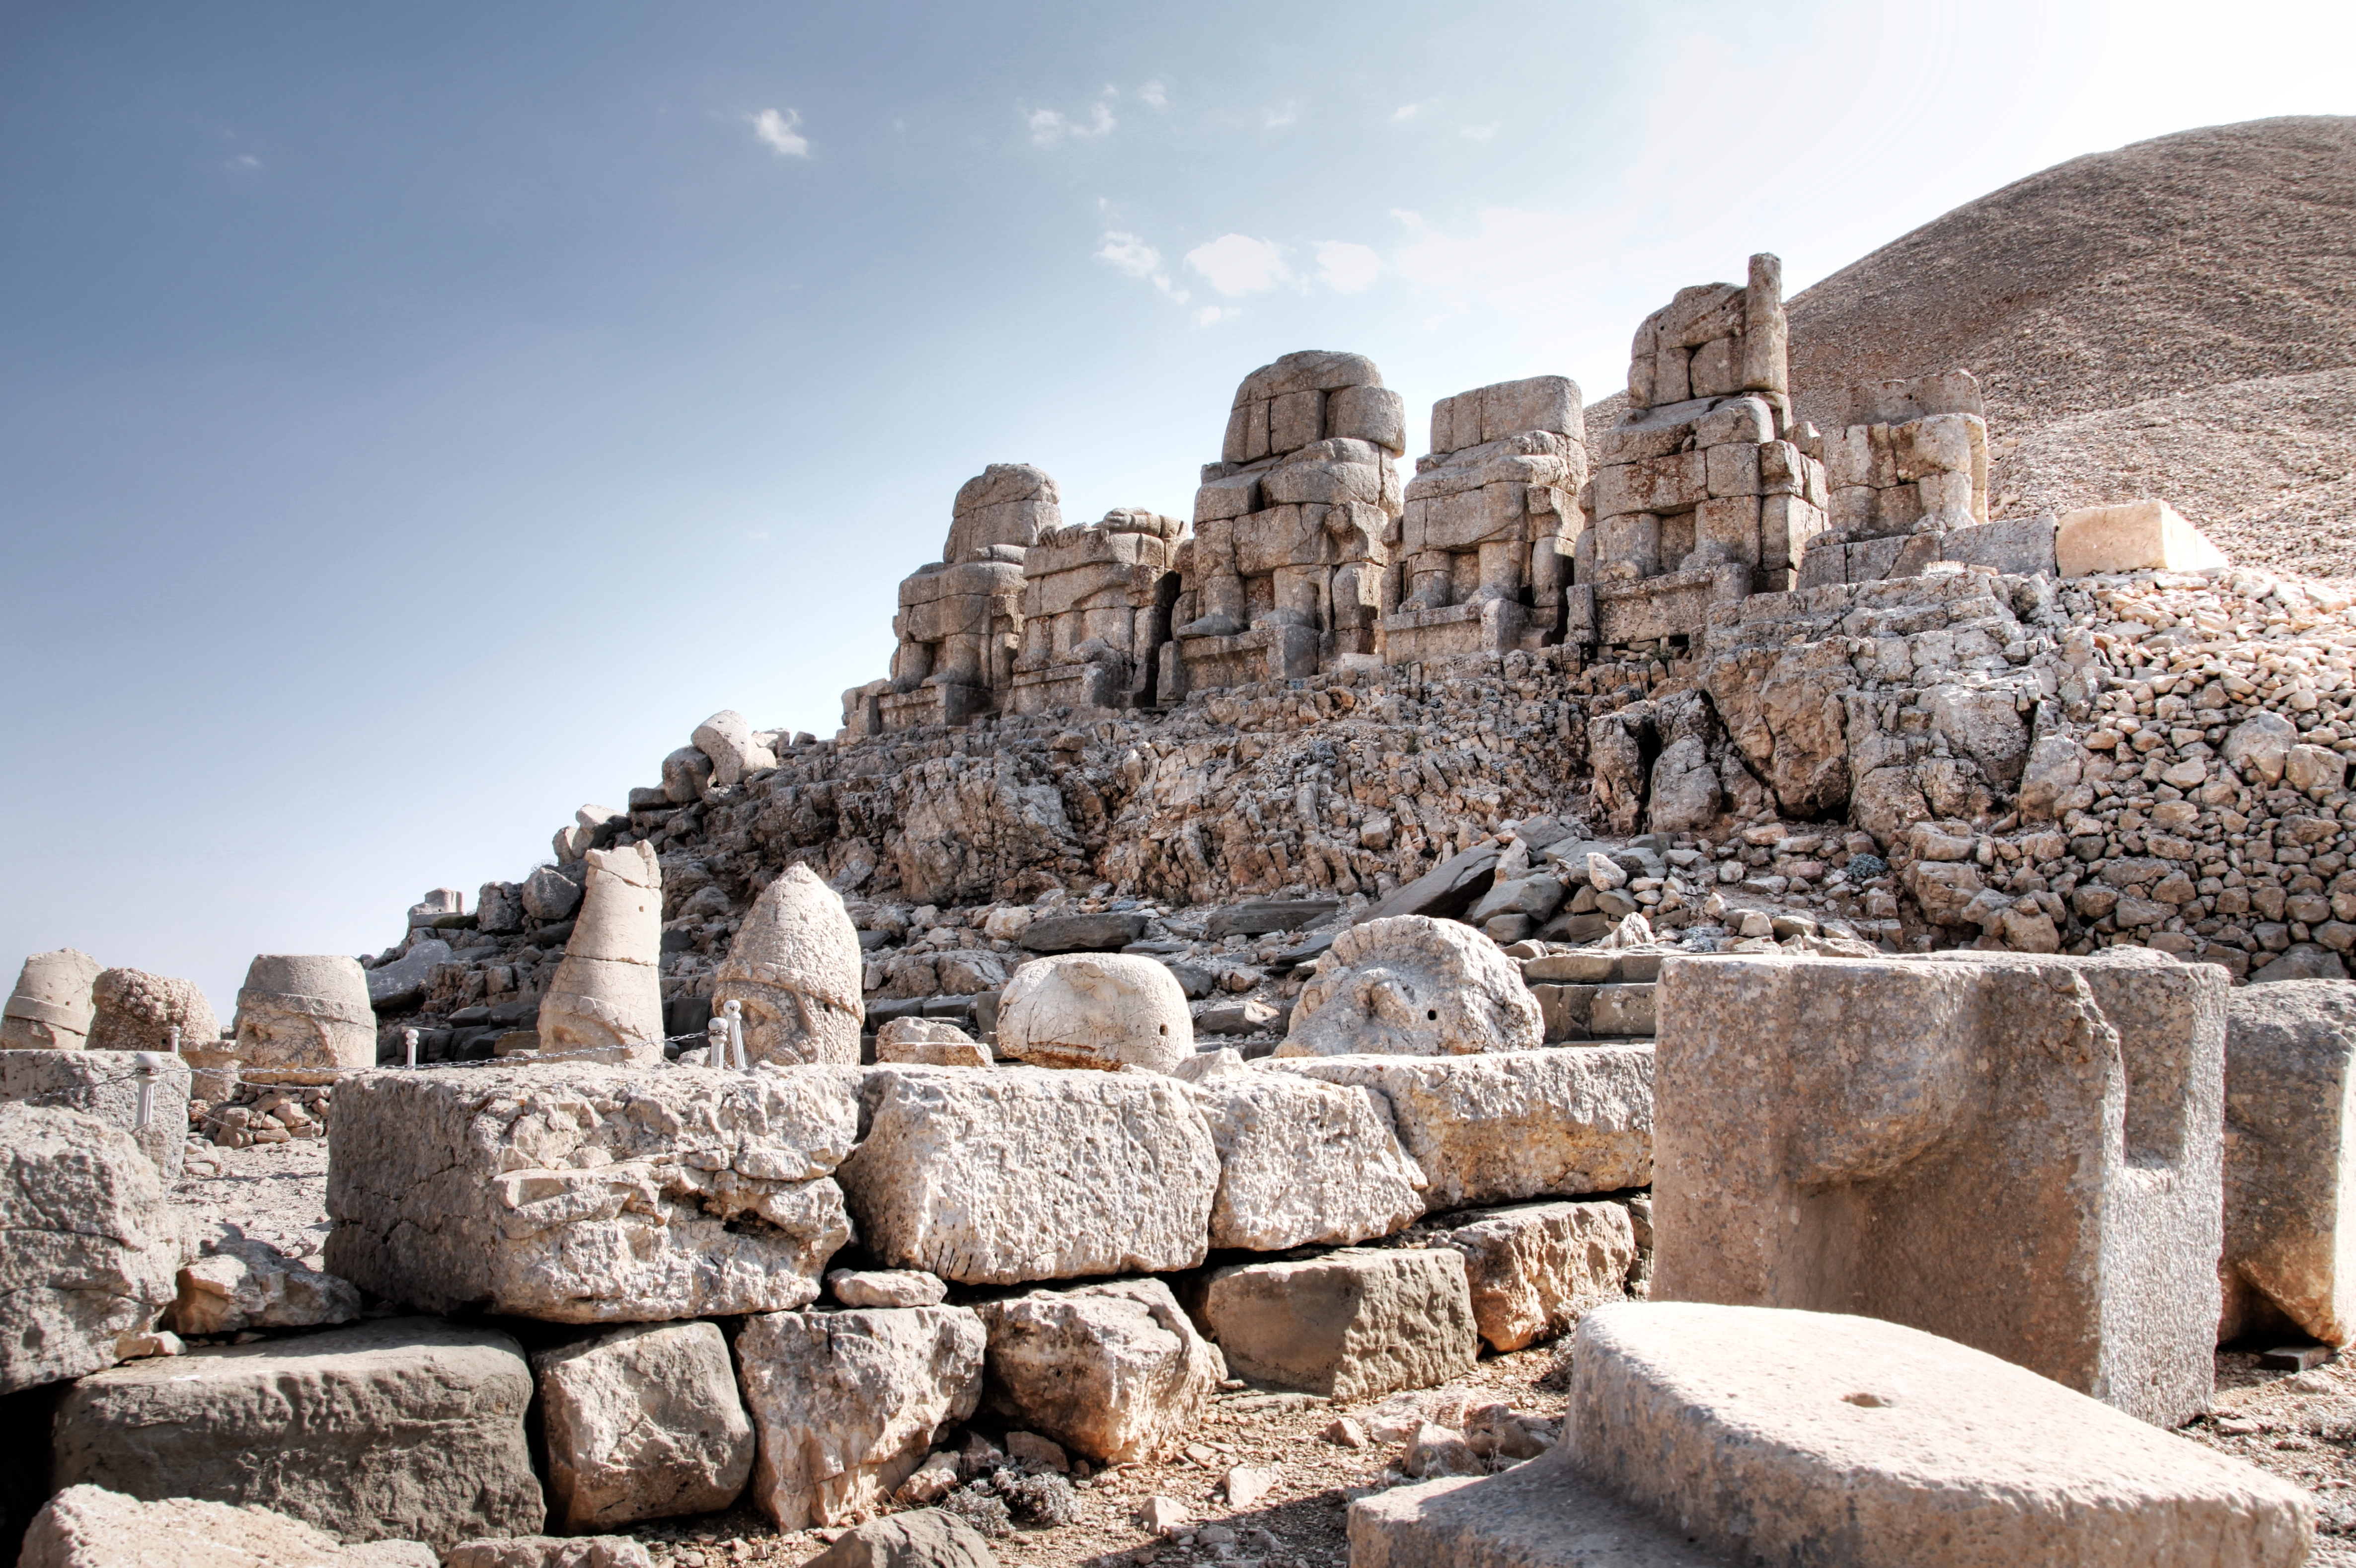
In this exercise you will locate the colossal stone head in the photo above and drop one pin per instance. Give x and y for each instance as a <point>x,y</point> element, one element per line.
<point>138,1012</point>
<point>1411,985</point>
<point>51,1007</point>
<point>1107,1010</point>
<point>306,1010</point>
<point>1007,504</point>
<point>606,1001</point>
<point>796,968</point>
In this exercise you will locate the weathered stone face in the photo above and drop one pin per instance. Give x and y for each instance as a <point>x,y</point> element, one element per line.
<point>795,969</point>
<point>1910,1113</point>
<point>1412,985</point>
<point>51,1008</point>
<point>847,1403</point>
<point>88,1244</point>
<point>90,1526</point>
<point>642,1423</point>
<point>1305,1163</point>
<point>2290,1172</point>
<point>306,1011</point>
<point>1025,1173</point>
<point>214,1425</point>
<point>1115,1373</point>
<point>588,1194</point>
<point>1095,1009</point>
<point>1350,1325</point>
<point>605,1001</point>
<point>138,1012</point>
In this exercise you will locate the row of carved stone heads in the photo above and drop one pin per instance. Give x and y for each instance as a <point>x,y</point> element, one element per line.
<point>294,1011</point>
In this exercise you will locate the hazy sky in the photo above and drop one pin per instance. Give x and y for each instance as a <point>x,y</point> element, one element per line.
<point>414,419</point>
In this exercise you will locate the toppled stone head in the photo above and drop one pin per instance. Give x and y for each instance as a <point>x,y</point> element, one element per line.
<point>138,1012</point>
<point>606,1000</point>
<point>795,965</point>
<point>306,1010</point>
<point>1105,1010</point>
<point>51,1007</point>
<point>1412,985</point>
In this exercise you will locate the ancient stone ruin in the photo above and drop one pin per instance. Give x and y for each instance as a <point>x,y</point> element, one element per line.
<point>1565,1011</point>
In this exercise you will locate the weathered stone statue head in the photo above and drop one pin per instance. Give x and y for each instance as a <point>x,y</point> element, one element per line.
<point>138,1012</point>
<point>1105,1010</point>
<point>51,1007</point>
<point>795,966</point>
<point>606,999</point>
<point>306,1010</point>
<point>1411,985</point>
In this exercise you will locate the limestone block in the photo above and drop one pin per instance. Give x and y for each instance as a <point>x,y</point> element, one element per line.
<point>88,1244</point>
<point>1027,1173</point>
<point>241,1284</point>
<point>1548,1513</point>
<point>587,1194</point>
<point>928,1042</point>
<point>686,774</point>
<point>1115,1373</point>
<point>795,966</point>
<point>642,1423</point>
<point>1350,1325</point>
<point>2140,536</point>
<point>1513,1125</point>
<point>727,738</point>
<point>1105,1010</point>
<point>106,1085</point>
<point>551,1552</point>
<point>1413,985</point>
<point>1534,1270</point>
<point>51,1008</point>
<point>1867,1133</point>
<point>308,1010</point>
<point>2261,743</point>
<point>90,1526</point>
<point>137,1011</point>
<point>1375,414</point>
<point>846,1403</point>
<point>2290,1169</point>
<point>921,1538</point>
<point>605,1001</point>
<point>1007,505</point>
<point>886,1287</point>
<point>411,1428</point>
<point>1839,1439</point>
<point>1674,482</point>
<point>1303,1163</point>
<point>549,895</point>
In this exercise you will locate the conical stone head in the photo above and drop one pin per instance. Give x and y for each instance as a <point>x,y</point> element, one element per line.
<point>605,1001</point>
<point>796,968</point>
<point>306,1010</point>
<point>138,1012</point>
<point>51,1007</point>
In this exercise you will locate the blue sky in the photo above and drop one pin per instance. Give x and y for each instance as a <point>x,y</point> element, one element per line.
<point>414,419</point>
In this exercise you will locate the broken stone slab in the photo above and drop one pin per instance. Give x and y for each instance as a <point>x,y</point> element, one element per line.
<point>579,1193</point>
<point>885,1287</point>
<point>90,1526</point>
<point>1842,1438</point>
<point>135,1011</point>
<point>551,1552</point>
<point>1027,1173</point>
<point>847,1403</point>
<point>922,1538</point>
<point>1534,1270</point>
<point>110,1086</point>
<point>1115,1373</point>
<point>1305,1163</point>
<point>795,969</point>
<point>2137,535</point>
<point>409,1428</point>
<point>1414,986</point>
<point>2290,1162</point>
<point>728,740</point>
<point>1548,1513</point>
<point>306,1010</point>
<point>606,1001</point>
<point>50,1010</point>
<point>1511,1126</point>
<point>89,1243</point>
<point>1089,1010</point>
<point>928,1042</point>
<point>642,1423</point>
<point>241,1284</point>
<point>1258,917</point>
<point>1082,932</point>
<point>1350,1325</point>
<point>1865,1134</point>
<point>400,985</point>
<point>1447,889</point>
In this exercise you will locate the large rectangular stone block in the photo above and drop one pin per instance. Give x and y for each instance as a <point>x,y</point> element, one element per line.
<point>2290,1171</point>
<point>1535,1268</point>
<point>1350,1325</point>
<point>1501,1126</point>
<point>1303,1163</point>
<point>590,1194</point>
<point>1030,1173</point>
<point>107,1084</point>
<point>2019,1153</point>
<point>2140,536</point>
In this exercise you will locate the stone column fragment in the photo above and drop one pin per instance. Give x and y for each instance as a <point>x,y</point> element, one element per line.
<point>606,1002</point>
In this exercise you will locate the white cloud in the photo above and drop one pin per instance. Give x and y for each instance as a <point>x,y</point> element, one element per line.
<point>1477,132</point>
<point>1212,315</point>
<point>1154,94</point>
<point>778,131</point>
<point>1049,126</point>
<point>1406,111</point>
<point>757,536</point>
<point>243,162</point>
<point>1279,118</point>
<point>1239,264</point>
<point>1347,267</point>
<point>1128,253</point>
